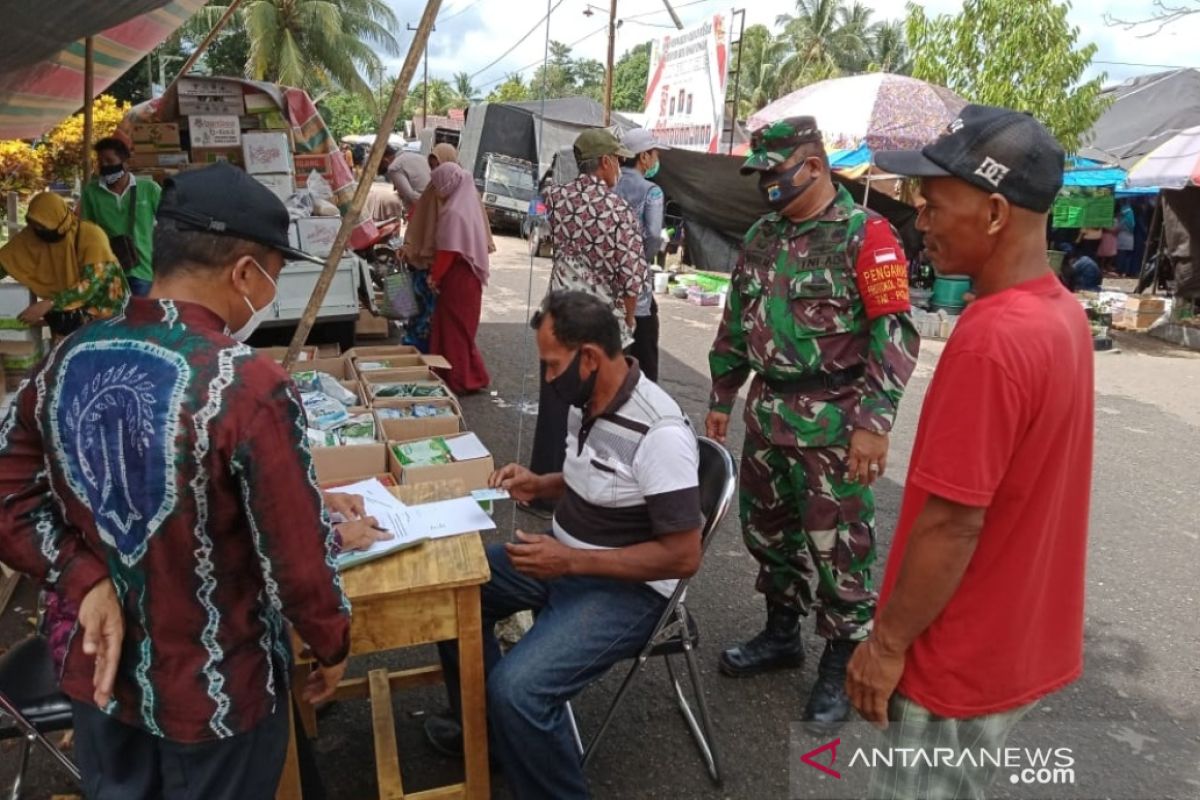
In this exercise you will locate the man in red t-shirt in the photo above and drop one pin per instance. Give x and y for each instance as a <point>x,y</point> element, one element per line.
<point>981,609</point>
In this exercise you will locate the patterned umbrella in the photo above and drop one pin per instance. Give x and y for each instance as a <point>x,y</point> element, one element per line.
<point>36,97</point>
<point>1174,164</point>
<point>883,111</point>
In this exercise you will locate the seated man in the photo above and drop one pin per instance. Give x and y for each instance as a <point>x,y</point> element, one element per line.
<point>627,526</point>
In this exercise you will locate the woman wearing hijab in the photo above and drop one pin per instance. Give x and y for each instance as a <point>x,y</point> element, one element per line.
<point>68,264</point>
<point>459,273</point>
<point>420,249</point>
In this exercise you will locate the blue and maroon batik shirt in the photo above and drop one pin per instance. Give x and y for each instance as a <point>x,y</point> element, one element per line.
<point>154,449</point>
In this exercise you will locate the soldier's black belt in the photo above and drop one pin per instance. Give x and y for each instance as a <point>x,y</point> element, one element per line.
<point>825,380</point>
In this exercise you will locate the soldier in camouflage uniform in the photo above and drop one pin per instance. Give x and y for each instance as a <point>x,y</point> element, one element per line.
<point>818,311</point>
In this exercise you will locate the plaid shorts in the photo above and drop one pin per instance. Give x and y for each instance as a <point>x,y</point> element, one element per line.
<point>916,727</point>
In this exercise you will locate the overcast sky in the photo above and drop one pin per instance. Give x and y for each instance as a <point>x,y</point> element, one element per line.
<point>472,34</point>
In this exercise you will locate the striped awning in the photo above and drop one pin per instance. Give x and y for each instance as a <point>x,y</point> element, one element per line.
<point>37,95</point>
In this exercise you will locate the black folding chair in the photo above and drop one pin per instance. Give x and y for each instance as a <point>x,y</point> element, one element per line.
<point>31,704</point>
<point>676,632</point>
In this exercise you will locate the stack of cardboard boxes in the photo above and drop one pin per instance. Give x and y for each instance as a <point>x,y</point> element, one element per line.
<point>391,383</point>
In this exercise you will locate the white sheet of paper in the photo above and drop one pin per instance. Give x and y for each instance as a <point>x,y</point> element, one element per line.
<point>466,447</point>
<point>445,518</point>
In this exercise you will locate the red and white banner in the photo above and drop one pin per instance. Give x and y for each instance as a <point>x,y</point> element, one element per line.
<point>685,96</point>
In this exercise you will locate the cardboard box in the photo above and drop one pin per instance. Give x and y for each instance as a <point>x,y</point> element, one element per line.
<point>156,136</point>
<point>374,352</point>
<point>215,131</point>
<point>370,326</point>
<point>281,185</point>
<point>403,430</point>
<point>418,364</point>
<point>277,354</point>
<point>351,463</point>
<point>1143,304</point>
<point>211,155</point>
<point>444,392</point>
<point>415,374</point>
<point>317,234</point>
<point>1136,321</point>
<point>337,366</point>
<point>208,87</point>
<point>190,106</point>
<point>329,350</point>
<point>267,153</point>
<point>474,474</point>
<point>151,160</point>
<point>307,162</point>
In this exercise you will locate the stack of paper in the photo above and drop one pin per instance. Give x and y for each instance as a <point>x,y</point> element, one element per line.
<point>411,525</point>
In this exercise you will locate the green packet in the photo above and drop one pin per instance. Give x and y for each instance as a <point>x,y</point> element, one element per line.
<point>425,452</point>
<point>410,390</point>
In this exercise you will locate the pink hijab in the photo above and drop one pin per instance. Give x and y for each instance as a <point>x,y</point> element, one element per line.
<point>460,226</point>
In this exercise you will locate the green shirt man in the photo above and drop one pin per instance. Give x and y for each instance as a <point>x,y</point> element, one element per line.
<point>107,202</point>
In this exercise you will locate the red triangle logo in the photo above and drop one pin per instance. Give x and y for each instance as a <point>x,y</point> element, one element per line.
<point>807,758</point>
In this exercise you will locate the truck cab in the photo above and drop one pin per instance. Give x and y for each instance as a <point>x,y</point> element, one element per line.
<point>508,184</point>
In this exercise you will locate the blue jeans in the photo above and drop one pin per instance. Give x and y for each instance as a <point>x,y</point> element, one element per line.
<point>139,287</point>
<point>583,626</point>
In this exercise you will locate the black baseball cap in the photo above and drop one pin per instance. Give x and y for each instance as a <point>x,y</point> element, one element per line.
<point>998,150</point>
<point>223,199</point>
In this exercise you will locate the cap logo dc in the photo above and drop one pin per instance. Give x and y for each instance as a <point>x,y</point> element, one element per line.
<point>955,126</point>
<point>992,171</point>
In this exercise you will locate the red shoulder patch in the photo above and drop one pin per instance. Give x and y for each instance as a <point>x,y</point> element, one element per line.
<point>882,271</point>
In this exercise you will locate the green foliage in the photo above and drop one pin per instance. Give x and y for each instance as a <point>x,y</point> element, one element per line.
<point>441,99</point>
<point>346,114</point>
<point>631,73</point>
<point>512,90</point>
<point>1021,54</point>
<point>464,92</point>
<point>317,45</point>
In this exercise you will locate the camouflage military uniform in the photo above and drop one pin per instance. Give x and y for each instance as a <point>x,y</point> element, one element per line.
<point>797,311</point>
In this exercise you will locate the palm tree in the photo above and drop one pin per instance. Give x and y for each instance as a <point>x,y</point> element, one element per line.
<point>315,44</point>
<point>889,49</point>
<point>810,35</point>
<point>758,69</point>
<point>464,93</point>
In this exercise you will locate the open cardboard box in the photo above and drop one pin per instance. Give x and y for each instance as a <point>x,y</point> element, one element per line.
<point>279,353</point>
<point>403,430</point>
<point>371,387</point>
<point>339,367</point>
<point>417,374</point>
<point>356,462</point>
<point>395,363</point>
<point>474,473</point>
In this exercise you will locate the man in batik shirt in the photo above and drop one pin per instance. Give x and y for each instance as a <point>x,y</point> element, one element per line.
<point>597,249</point>
<point>158,452</point>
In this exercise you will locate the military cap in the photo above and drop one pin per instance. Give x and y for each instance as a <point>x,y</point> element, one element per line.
<point>773,144</point>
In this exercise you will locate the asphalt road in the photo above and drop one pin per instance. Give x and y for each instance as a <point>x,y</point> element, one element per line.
<point>1132,721</point>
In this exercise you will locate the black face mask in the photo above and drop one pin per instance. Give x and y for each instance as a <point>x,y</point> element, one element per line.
<point>112,169</point>
<point>48,235</point>
<point>572,388</point>
<point>779,191</point>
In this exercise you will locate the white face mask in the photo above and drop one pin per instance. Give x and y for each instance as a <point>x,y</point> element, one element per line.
<point>257,315</point>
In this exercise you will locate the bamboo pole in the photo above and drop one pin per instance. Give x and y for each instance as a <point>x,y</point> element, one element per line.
<point>608,73</point>
<point>350,220</point>
<point>208,40</point>
<point>89,86</point>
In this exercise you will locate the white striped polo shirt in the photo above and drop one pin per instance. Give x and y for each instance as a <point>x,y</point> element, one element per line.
<point>630,472</point>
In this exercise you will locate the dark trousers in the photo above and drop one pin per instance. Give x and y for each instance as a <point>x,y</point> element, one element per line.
<point>583,626</point>
<point>550,435</point>
<point>645,343</point>
<point>120,762</point>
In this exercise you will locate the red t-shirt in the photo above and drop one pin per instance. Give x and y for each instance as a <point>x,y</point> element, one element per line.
<point>1006,426</point>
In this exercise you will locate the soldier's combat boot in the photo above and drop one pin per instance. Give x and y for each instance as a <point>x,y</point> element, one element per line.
<point>828,704</point>
<point>778,646</point>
